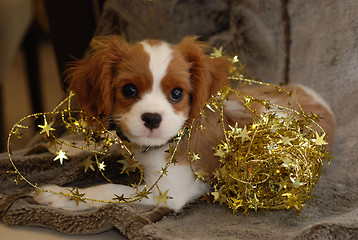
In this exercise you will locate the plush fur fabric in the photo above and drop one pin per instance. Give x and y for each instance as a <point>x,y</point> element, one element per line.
<point>323,55</point>
<point>17,208</point>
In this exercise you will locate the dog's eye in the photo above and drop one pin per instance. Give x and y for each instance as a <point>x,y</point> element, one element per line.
<point>129,90</point>
<point>176,94</point>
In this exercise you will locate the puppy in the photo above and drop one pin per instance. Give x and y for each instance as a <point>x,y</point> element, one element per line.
<point>150,90</point>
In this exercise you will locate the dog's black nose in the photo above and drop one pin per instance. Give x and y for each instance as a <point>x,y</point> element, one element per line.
<point>152,120</point>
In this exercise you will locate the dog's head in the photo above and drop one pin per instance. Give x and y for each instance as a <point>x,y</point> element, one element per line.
<point>149,89</point>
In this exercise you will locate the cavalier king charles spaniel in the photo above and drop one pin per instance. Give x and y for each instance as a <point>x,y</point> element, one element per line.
<point>149,91</point>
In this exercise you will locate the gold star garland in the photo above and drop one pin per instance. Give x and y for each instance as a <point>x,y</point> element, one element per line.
<point>46,128</point>
<point>162,197</point>
<point>259,168</point>
<point>273,163</point>
<point>99,142</point>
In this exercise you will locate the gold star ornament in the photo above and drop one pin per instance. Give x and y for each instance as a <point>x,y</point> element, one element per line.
<point>46,128</point>
<point>88,164</point>
<point>195,157</point>
<point>244,134</point>
<point>287,140</point>
<point>216,52</point>
<point>61,155</point>
<point>101,166</point>
<point>162,197</point>
<point>319,140</point>
<point>77,196</point>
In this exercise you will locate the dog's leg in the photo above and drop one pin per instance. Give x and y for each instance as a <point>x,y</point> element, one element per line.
<point>177,187</point>
<point>105,192</point>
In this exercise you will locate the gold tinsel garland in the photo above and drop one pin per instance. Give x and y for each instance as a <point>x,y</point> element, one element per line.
<point>272,163</point>
<point>99,142</point>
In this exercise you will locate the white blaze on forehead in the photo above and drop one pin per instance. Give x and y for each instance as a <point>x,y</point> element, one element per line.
<point>160,57</point>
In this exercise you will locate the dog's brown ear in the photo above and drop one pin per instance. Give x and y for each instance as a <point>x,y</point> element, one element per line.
<point>207,75</point>
<point>91,79</point>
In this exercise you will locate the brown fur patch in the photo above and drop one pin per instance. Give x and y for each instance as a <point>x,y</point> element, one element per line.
<point>153,42</point>
<point>178,76</point>
<point>300,97</point>
<point>92,78</point>
<point>134,69</point>
<point>207,75</point>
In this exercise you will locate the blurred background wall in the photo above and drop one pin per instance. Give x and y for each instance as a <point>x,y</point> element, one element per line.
<point>40,37</point>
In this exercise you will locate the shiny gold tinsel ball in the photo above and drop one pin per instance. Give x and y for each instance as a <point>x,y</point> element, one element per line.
<point>273,163</point>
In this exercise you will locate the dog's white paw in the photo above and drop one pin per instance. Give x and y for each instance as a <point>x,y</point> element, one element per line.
<point>59,200</point>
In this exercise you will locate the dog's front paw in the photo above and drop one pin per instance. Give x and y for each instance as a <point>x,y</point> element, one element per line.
<point>58,200</point>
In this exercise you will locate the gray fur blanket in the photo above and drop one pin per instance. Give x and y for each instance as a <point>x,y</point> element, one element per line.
<point>307,42</point>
